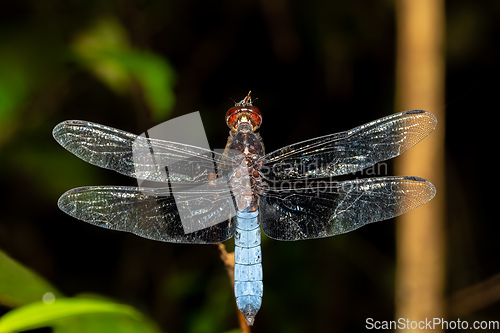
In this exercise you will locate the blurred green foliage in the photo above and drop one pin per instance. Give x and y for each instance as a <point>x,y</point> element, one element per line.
<point>32,60</point>
<point>36,62</point>
<point>38,304</point>
<point>20,285</point>
<point>76,315</point>
<point>106,52</point>
<point>19,78</point>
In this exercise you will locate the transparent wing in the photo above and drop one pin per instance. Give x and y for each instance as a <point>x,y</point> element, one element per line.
<point>154,213</point>
<point>325,209</point>
<point>349,151</point>
<point>138,156</point>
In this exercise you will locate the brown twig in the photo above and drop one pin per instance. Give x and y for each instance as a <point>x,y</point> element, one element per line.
<point>228,260</point>
<point>421,234</point>
<point>476,297</point>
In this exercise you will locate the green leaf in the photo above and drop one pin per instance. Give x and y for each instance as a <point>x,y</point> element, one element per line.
<point>67,314</point>
<point>105,51</point>
<point>93,46</point>
<point>104,323</point>
<point>156,78</point>
<point>20,285</point>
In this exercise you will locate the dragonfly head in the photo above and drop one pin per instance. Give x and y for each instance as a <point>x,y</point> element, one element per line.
<point>244,111</point>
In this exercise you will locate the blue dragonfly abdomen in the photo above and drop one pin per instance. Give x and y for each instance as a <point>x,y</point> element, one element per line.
<point>248,264</point>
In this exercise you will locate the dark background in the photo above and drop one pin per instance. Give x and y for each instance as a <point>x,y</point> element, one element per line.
<point>316,68</point>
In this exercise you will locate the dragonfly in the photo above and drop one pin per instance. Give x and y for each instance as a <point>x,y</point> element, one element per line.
<point>292,193</point>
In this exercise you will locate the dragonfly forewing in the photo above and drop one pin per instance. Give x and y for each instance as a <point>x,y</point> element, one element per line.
<point>350,151</point>
<point>138,156</point>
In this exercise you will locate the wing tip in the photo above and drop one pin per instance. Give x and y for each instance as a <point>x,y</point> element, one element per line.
<point>65,204</point>
<point>62,128</point>
<point>416,111</point>
<point>429,115</point>
<point>56,132</point>
<point>427,187</point>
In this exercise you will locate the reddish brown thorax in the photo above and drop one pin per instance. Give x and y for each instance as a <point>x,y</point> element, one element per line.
<point>244,111</point>
<point>245,147</point>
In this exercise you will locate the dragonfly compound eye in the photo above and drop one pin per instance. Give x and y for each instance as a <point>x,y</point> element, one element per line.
<point>239,113</point>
